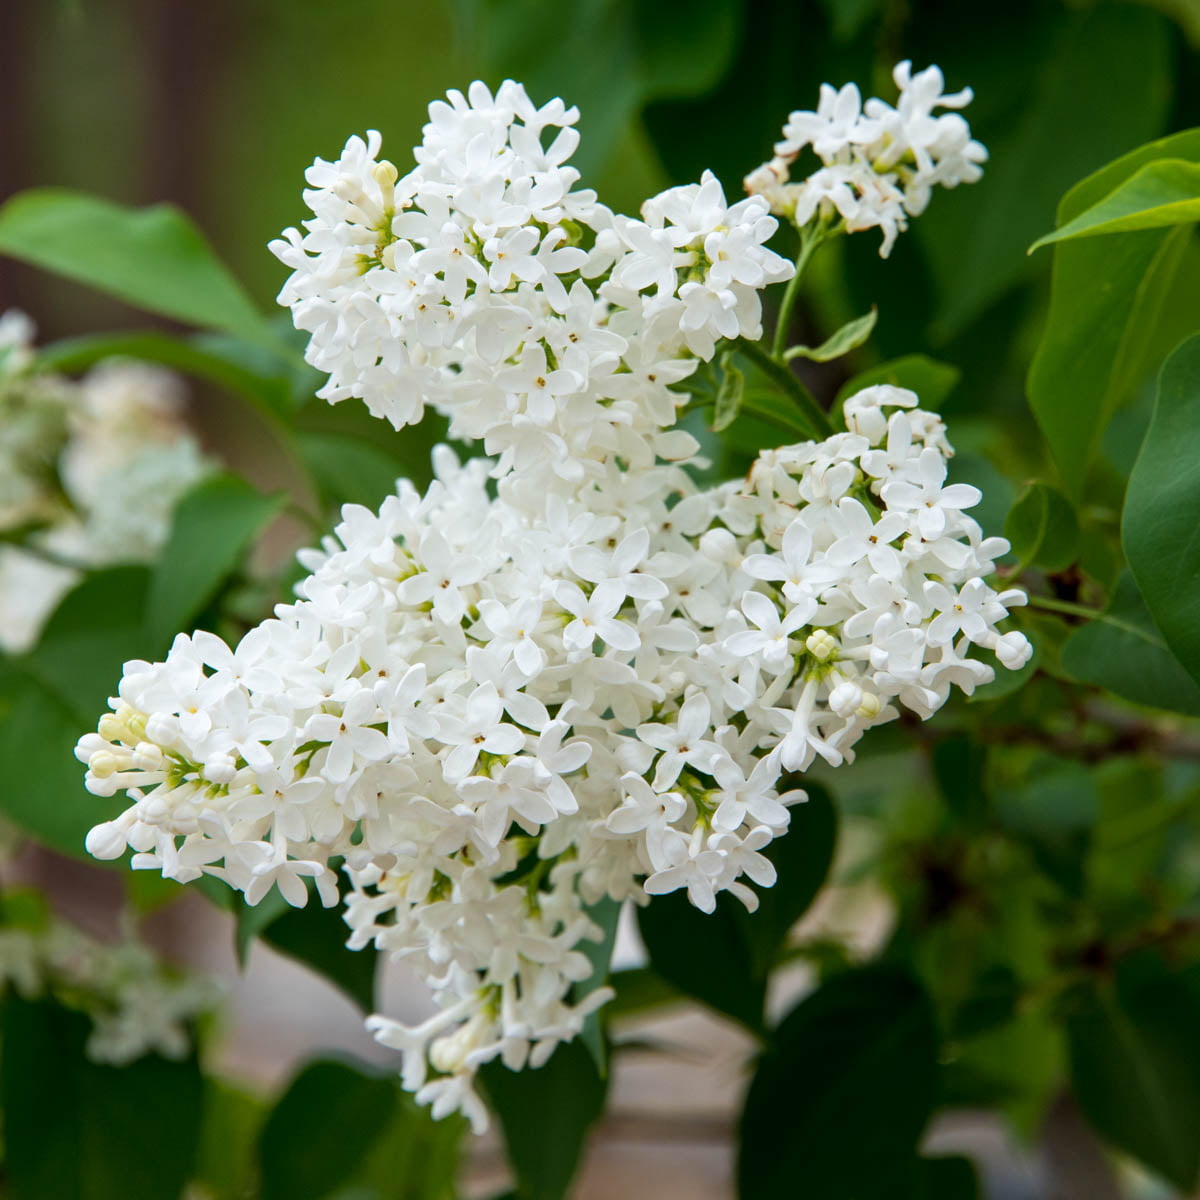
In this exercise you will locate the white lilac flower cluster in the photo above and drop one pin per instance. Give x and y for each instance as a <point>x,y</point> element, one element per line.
<point>483,284</point>
<point>92,470</point>
<point>564,673</point>
<point>136,1006</point>
<point>880,163</point>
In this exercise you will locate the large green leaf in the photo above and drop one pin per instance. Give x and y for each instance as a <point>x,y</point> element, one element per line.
<point>723,958</point>
<point>57,692</point>
<point>843,1091</point>
<point>1103,332</point>
<point>1160,530</point>
<point>314,1140</point>
<point>546,1114</point>
<point>1135,1065</point>
<point>76,1130</point>
<point>154,258</point>
<point>1161,193</point>
<point>1124,651</point>
<point>214,524</point>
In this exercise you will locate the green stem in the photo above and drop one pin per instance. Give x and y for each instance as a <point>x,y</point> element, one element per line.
<point>813,415</point>
<point>809,241</point>
<point>1066,606</point>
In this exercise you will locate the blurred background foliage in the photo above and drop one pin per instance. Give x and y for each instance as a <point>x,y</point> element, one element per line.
<point>1040,845</point>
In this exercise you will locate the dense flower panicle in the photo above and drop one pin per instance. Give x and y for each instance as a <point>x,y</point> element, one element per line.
<point>96,467</point>
<point>879,163</point>
<point>484,284</point>
<point>563,672</point>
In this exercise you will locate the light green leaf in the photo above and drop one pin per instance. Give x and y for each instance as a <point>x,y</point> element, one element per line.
<point>865,1045</point>
<point>214,524</point>
<point>1160,531</point>
<point>849,337</point>
<point>933,381</point>
<point>153,258</point>
<point>1124,652</point>
<point>1043,529</point>
<point>1103,331</point>
<point>729,395</point>
<point>1166,192</point>
<point>1135,1065</point>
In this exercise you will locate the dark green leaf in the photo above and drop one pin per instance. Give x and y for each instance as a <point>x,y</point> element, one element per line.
<point>315,1138</point>
<point>849,337</point>
<point>154,258</point>
<point>267,389</point>
<point>959,765</point>
<point>75,1130</point>
<point>1160,531</point>
<point>1043,529</point>
<point>843,1091</point>
<point>1161,193</point>
<point>1135,1066</point>
<point>640,988</point>
<point>1106,304</point>
<point>723,958</point>
<point>315,936</point>
<point>729,395</point>
<point>57,692</point>
<point>416,1157</point>
<point>1099,85</point>
<point>1124,652</point>
<point>933,381</point>
<point>213,526</point>
<point>546,1114</point>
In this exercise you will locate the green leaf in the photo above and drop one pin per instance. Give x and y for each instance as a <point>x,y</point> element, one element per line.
<point>213,526</point>
<point>153,258</point>
<point>415,1158</point>
<point>729,395</point>
<point>639,988</point>
<point>723,958</point>
<point>268,390</point>
<point>348,469</point>
<point>546,1114</point>
<point>228,1134</point>
<point>933,381</point>
<point>1124,652</point>
<point>57,692</point>
<point>1161,193</point>
<point>315,1138</point>
<point>849,337</point>
<point>1043,529</point>
<point>1135,1065</point>
<point>1159,530</point>
<point>1102,334</point>
<point>76,1130</point>
<point>843,1091</point>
